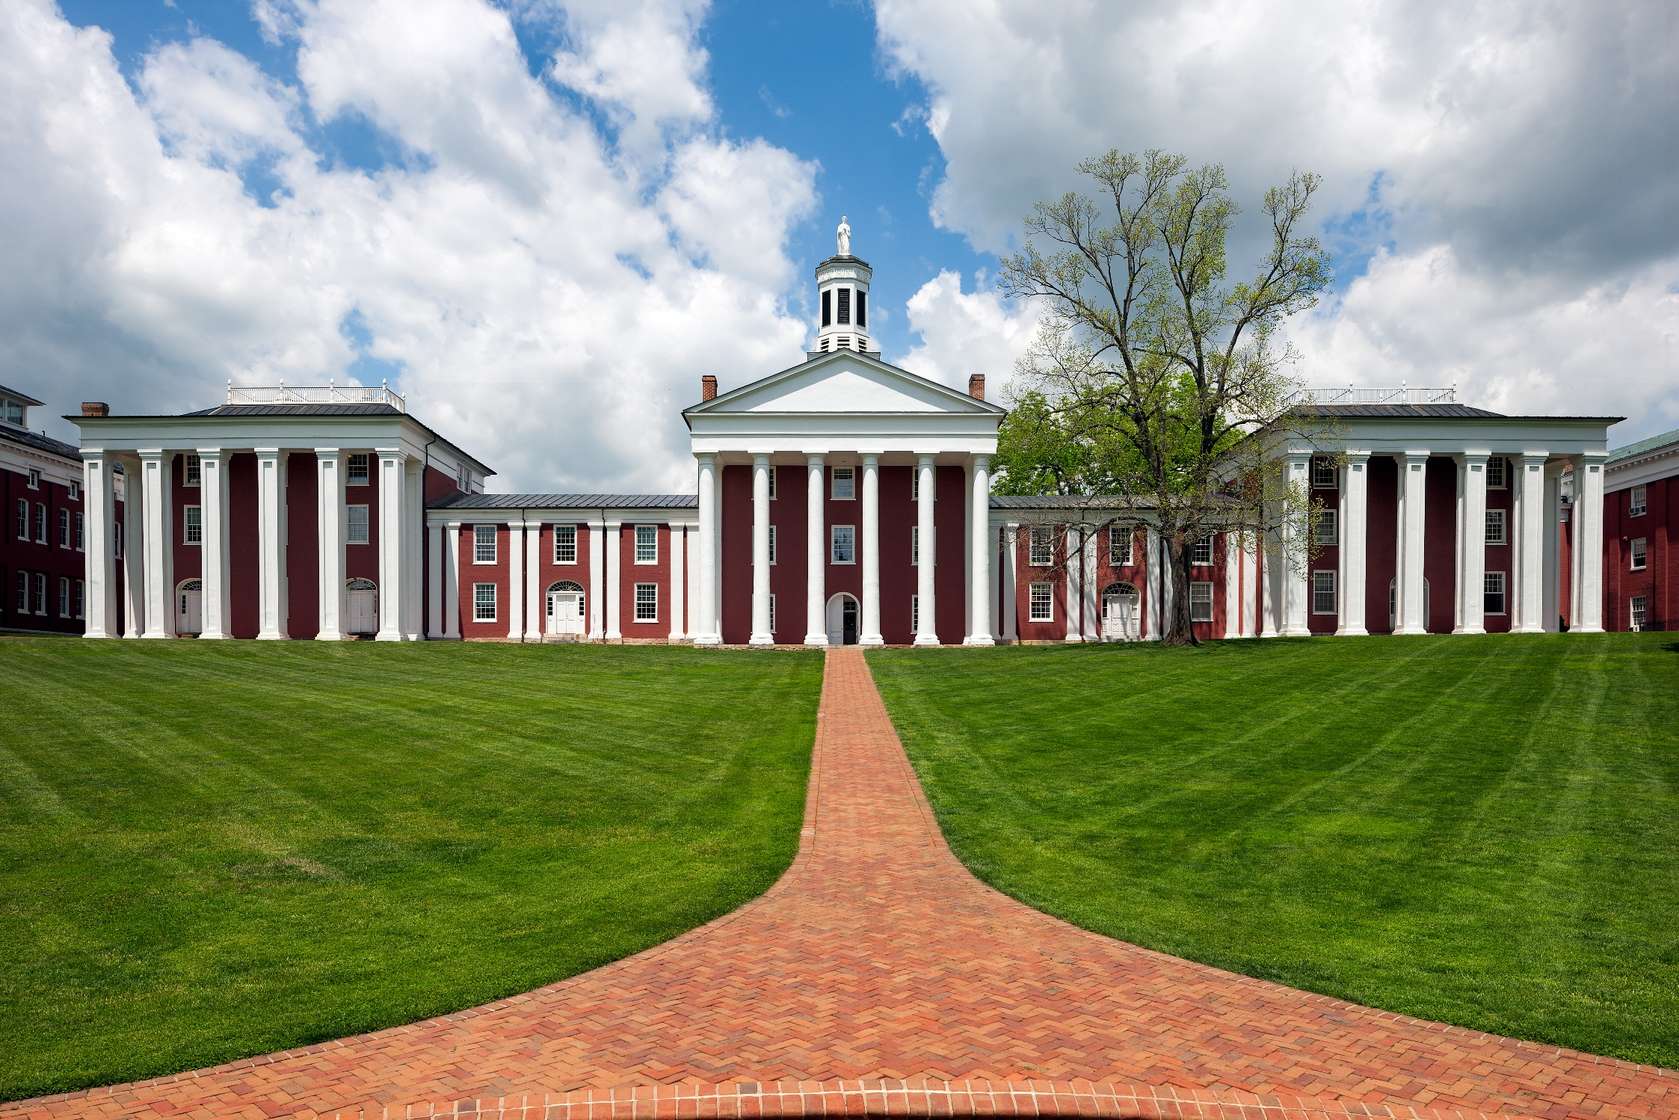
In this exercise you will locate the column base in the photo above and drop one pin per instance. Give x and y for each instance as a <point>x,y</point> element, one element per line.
<point>1073,638</point>
<point>1586,630</point>
<point>707,640</point>
<point>1528,630</point>
<point>761,640</point>
<point>613,636</point>
<point>816,639</point>
<point>1352,632</point>
<point>1470,630</point>
<point>871,640</point>
<point>329,636</point>
<point>271,636</point>
<point>979,640</point>
<point>389,636</point>
<point>925,640</point>
<point>1296,632</point>
<point>206,636</point>
<point>1409,631</point>
<point>156,634</point>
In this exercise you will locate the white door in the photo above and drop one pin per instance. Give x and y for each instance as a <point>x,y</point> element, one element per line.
<point>1119,616</point>
<point>565,613</point>
<point>191,619</point>
<point>363,610</point>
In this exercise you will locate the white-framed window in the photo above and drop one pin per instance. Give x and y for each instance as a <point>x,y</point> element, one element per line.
<point>194,473</point>
<point>1040,603</point>
<point>75,491</point>
<point>1201,601</point>
<point>1201,552</point>
<point>34,479</point>
<point>1323,592</point>
<point>1039,548</point>
<point>1492,600</point>
<point>914,614</point>
<point>1637,501</point>
<point>356,469</point>
<point>1326,531</point>
<point>1498,473</point>
<point>772,473</point>
<point>845,484</point>
<point>63,596</point>
<point>1637,553</point>
<point>1323,474</point>
<point>1497,526</point>
<point>646,544</point>
<point>81,531</point>
<point>772,613</point>
<point>842,544</point>
<point>355,524</point>
<point>63,528</point>
<point>484,545</point>
<point>23,519</point>
<point>1119,545</point>
<point>772,544</point>
<point>647,602</point>
<point>1638,612</point>
<point>23,593</point>
<point>79,600</point>
<point>565,544</point>
<point>40,593</point>
<point>192,525</point>
<point>483,602</point>
<point>40,523</point>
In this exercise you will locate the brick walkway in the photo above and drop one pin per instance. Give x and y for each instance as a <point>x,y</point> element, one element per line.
<point>887,980</point>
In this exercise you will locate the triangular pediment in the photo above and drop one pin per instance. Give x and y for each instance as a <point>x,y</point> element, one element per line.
<point>844,381</point>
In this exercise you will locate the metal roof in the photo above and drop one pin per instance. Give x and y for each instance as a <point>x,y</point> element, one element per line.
<point>1400,411</point>
<point>41,442</point>
<point>300,410</point>
<point>567,501</point>
<point>1643,446</point>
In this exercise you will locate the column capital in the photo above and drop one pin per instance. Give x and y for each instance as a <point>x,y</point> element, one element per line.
<point>871,458</point>
<point>760,459</point>
<point>392,455</point>
<point>1473,457</point>
<point>268,452</point>
<point>151,454</point>
<point>1530,457</point>
<point>1356,455</point>
<point>1415,456</point>
<point>982,460</point>
<point>1590,456</point>
<point>814,459</point>
<point>455,525</point>
<point>706,458</point>
<point>211,454</point>
<point>611,523</point>
<point>535,524</point>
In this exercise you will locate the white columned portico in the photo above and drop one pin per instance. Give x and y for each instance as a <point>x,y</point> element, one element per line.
<point>1472,544</point>
<point>533,581</point>
<point>981,538</point>
<point>99,498</point>
<point>1530,540</point>
<point>1293,571</point>
<point>452,581</point>
<point>871,554</point>
<point>434,581</point>
<point>705,619</point>
<point>614,546</point>
<point>212,547</point>
<point>329,467</point>
<point>1553,526</point>
<point>159,546</point>
<point>1588,542</point>
<point>1009,570</point>
<point>1354,530</point>
<point>1413,475</point>
<point>926,631</point>
<point>393,477</point>
<point>761,635</point>
<point>677,582</point>
<point>133,548</point>
<point>271,544</point>
<point>816,552</point>
<point>1072,545</point>
<point>515,581</point>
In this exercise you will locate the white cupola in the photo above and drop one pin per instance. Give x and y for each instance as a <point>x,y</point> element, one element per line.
<point>842,299</point>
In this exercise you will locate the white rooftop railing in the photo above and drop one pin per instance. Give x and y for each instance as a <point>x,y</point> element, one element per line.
<point>1353,394</point>
<point>316,394</point>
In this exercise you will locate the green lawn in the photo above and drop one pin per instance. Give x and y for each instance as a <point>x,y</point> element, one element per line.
<point>210,850</point>
<point>1479,830</point>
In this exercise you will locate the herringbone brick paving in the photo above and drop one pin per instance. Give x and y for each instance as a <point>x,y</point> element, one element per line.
<point>878,976</point>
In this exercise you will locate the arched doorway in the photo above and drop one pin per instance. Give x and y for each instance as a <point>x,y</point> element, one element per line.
<point>843,618</point>
<point>564,610</point>
<point>189,607</point>
<point>364,606</point>
<point>1121,613</point>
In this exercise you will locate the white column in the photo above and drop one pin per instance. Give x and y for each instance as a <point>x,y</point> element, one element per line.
<point>871,555</point>
<point>1267,563</point>
<point>1168,590</point>
<point>761,635</point>
<point>212,541</point>
<point>434,580</point>
<point>271,543</point>
<point>983,540</point>
<point>533,581</point>
<point>1472,545</point>
<point>1010,573</point>
<point>452,581</point>
<point>159,546</point>
<point>1092,593</point>
<point>926,633</point>
<point>393,475</point>
<point>1552,526</point>
<point>1293,571</point>
<point>99,589</point>
<point>329,524</point>
<point>1588,541</point>
<point>413,548</point>
<point>994,591</point>
<point>691,565</point>
<point>515,581</point>
<point>613,544</point>
<point>1530,540</point>
<point>1073,551</point>
<point>1155,579</point>
<point>1413,474</point>
<point>1232,583</point>
<point>706,605</point>
<point>1354,518</point>
<point>133,548</point>
<point>677,633</point>
<point>816,551</point>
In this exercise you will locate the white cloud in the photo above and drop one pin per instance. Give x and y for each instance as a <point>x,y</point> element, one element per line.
<point>961,333</point>
<point>542,307</point>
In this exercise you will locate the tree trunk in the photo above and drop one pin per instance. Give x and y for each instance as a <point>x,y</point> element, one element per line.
<point>1178,631</point>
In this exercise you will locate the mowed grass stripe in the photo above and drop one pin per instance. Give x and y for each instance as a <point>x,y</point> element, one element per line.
<point>209,850</point>
<point>1479,830</point>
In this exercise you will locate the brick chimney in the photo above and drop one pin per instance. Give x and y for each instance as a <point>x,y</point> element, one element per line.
<point>95,408</point>
<point>976,386</point>
<point>708,387</point>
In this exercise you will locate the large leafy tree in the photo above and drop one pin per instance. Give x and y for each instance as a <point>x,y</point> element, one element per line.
<point>1156,380</point>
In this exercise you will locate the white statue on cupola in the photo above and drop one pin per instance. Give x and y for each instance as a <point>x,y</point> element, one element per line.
<point>842,235</point>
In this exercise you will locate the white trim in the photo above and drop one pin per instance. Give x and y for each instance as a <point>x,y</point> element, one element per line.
<point>1638,554</point>
<point>1032,603</point>
<point>1503,592</point>
<point>1334,591</point>
<point>1503,523</point>
<point>635,604</point>
<point>495,602</point>
<point>833,530</point>
<point>349,525</point>
<point>495,547</point>
<point>555,550</point>
<point>850,474</point>
<point>635,545</point>
<point>1638,499</point>
<point>1208,585</point>
<point>350,478</point>
<point>187,525</point>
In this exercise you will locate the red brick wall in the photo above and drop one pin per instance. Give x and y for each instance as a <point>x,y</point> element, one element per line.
<point>1439,565</point>
<point>898,577</point>
<point>1381,541</point>
<point>50,559</point>
<point>551,573</point>
<point>1498,555</point>
<point>303,555</point>
<point>1661,565</point>
<point>787,574</point>
<point>1328,558</point>
<point>1026,575</point>
<point>243,572</point>
<point>361,561</point>
<point>495,573</point>
<point>950,533</point>
<point>188,557</point>
<point>631,573</point>
<point>736,582</point>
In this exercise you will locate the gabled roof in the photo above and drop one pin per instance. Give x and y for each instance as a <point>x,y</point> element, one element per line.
<point>566,501</point>
<point>15,395</point>
<point>956,399</point>
<point>1643,447</point>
